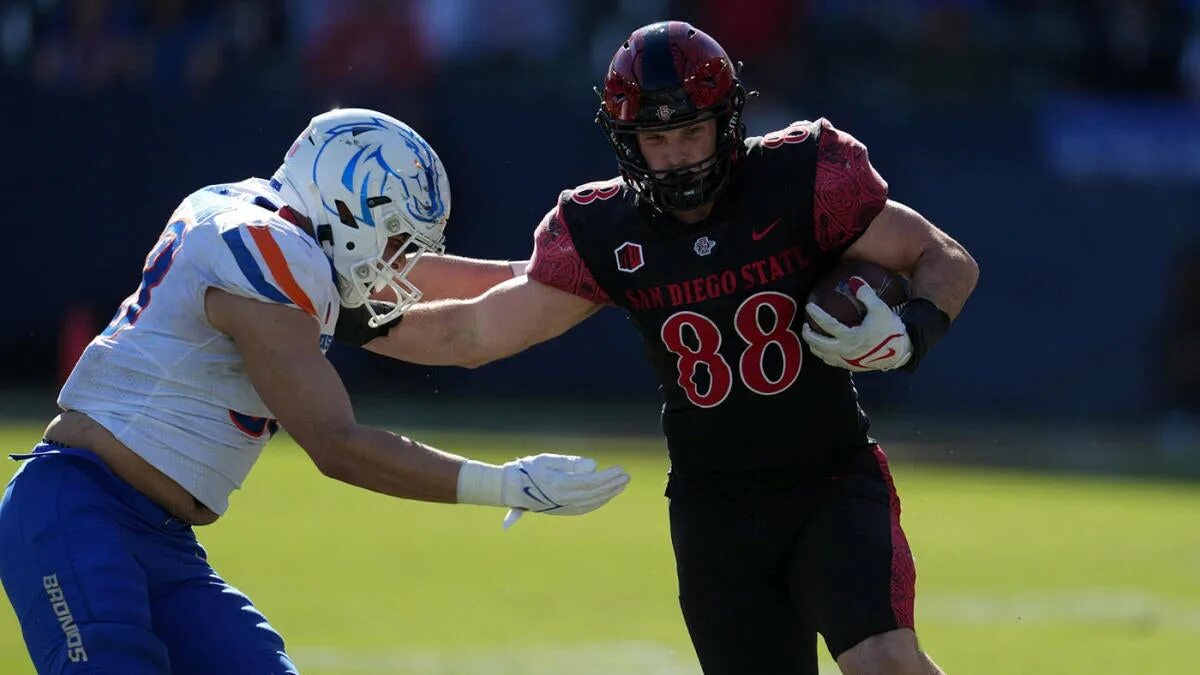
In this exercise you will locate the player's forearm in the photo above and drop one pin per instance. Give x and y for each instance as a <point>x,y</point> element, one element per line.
<point>390,464</point>
<point>442,277</point>
<point>441,333</point>
<point>508,319</point>
<point>945,274</point>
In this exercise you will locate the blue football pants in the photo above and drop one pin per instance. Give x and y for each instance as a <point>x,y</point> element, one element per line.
<point>103,580</point>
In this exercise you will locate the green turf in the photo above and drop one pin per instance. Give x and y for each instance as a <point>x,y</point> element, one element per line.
<point>1018,572</point>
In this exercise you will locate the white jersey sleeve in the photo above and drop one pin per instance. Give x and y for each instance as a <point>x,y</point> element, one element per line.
<point>161,378</point>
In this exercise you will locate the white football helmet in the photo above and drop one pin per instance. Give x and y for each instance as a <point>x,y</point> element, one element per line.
<point>364,177</point>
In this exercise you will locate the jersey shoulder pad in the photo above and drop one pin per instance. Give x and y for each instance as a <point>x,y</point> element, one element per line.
<point>829,137</point>
<point>591,200</point>
<point>595,191</point>
<point>847,192</point>
<point>796,133</point>
<point>598,204</point>
<point>256,254</point>
<point>556,261</point>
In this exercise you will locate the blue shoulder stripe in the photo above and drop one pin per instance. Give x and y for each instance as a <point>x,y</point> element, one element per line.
<point>250,268</point>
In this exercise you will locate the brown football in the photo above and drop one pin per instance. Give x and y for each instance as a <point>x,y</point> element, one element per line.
<point>832,293</point>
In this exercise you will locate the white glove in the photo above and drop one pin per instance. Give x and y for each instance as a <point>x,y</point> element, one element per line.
<point>880,342</point>
<point>559,485</point>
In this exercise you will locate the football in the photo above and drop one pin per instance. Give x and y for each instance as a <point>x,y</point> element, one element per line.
<point>832,293</point>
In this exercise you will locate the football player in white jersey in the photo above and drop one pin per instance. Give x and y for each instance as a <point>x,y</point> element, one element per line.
<point>223,341</point>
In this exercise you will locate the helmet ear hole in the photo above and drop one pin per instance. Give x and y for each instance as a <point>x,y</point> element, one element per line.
<point>349,246</point>
<point>344,214</point>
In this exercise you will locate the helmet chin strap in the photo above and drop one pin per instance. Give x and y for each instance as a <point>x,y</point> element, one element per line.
<point>294,198</point>
<point>322,230</point>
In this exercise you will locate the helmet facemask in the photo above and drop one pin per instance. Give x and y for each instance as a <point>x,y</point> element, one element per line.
<point>372,276</point>
<point>687,187</point>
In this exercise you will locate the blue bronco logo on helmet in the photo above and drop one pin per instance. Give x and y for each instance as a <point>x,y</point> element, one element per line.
<point>368,171</point>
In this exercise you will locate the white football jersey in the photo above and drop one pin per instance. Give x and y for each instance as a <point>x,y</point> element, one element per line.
<point>166,383</point>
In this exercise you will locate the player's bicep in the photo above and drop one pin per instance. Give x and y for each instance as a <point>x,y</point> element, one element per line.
<point>279,346</point>
<point>896,238</point>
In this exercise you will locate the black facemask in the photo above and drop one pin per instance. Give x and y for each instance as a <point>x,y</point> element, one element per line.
<point>688,187</point>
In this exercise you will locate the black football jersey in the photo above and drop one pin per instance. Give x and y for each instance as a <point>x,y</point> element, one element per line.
<point>719,304</point>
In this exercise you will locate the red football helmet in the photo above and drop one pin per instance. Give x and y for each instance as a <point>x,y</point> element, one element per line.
<point>669,75</point>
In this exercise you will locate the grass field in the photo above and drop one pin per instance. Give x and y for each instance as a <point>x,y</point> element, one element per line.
<point>1018,572</point>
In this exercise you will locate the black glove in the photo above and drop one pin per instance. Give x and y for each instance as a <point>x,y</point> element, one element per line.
<point>352,327</point>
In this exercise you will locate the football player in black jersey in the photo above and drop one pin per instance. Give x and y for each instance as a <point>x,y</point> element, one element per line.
<point>784,518</point>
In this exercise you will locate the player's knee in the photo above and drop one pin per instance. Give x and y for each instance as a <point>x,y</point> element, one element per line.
<point>891,653</point>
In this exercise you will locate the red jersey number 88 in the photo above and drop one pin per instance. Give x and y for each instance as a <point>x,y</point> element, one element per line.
<point>706,345</point>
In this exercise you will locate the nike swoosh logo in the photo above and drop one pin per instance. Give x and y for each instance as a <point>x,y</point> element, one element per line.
<point>529,493</point>
<point>871,356</point>
<point>890,353</point>
<point>759,234</point>
<point>543,499</point>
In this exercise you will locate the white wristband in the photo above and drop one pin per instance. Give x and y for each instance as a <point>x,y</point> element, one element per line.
<point>480,483</point>
<point>518,267</point>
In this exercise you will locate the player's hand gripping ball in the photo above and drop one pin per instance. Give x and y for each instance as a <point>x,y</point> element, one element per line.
<point>853,318</point>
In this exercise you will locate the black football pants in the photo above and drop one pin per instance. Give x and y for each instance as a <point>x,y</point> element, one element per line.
<point>760,575</point>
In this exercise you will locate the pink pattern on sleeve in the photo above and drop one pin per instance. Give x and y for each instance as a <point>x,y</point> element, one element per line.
<point>556,263</point>
<point>848,192</point>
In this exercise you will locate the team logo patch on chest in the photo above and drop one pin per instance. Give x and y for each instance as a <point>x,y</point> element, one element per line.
<point>629,257</point>
<point>704,246</point>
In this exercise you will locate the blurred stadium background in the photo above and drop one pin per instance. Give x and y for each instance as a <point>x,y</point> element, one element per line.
<point>1046,455</point>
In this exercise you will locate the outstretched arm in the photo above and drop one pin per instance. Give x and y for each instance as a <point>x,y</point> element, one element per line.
<point>507,319</point>
<point>279,347</point>
<point>441,277</point>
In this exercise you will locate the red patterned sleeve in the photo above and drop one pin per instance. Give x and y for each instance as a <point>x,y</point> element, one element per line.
<point>556,263</point>
<point>848,192</point>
